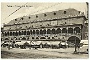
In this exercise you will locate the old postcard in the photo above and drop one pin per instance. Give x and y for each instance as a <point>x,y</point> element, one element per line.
<point>44,30</point>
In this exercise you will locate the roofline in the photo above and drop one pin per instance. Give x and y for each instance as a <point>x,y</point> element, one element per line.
<point>46,20</point>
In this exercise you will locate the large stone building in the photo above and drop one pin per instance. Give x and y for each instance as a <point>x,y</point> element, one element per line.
<point>63,25</point>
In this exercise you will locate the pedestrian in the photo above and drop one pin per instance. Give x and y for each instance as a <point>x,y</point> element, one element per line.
<point>8,47</point>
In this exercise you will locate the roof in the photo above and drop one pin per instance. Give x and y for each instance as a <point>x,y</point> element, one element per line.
<point>46,16</point>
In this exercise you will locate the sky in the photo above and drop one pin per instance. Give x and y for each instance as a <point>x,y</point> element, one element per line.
<point>31,8</point>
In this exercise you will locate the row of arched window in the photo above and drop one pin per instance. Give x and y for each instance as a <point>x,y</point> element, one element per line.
<point>48,31</point>
<point>24,38</point>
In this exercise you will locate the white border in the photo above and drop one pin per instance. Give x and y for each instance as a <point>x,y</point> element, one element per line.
<point>45,1</point>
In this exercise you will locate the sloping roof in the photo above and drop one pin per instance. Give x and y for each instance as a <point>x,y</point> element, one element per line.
<point>49,16</point>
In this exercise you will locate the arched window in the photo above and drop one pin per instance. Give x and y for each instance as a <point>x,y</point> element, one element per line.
<point>24,32</point>
<point>53,31</point>
<point>54,13</point>
<point>19,33</point>
<point>37,31</point>
<point>64,12</point>
<point>77,29</point>
<point>32,37</point>
<point>37,38</point>
<point>64,30</point>
<point>13,33</point>
<point>33,31</point>
<point>42,38</point>
<point>44,31</point>
<point>72,39</point>
<point>36,16</point>
<point>27,38</point>
<point>41,32</point>
<point>16,34</point>
<point>29,17</point>
<point>48,37</point>
<point>70,30</point>
<point>10,33</point>
<point>45,15</point>
<point>22,18</point>
<point>58,31</point>
<point>5,34</point>
<point>28,33</point>
<point>53,38</point>
<point>48,31</point>
<point>15,19</point>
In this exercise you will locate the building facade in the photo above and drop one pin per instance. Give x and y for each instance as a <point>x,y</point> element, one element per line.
<point>56,26</point>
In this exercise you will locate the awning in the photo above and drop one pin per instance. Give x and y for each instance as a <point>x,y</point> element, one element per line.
<point>84,41</point>
<point>8,43</point>
<point>20,43</point>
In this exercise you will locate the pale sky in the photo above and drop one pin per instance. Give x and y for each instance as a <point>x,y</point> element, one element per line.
<point>40,7</point>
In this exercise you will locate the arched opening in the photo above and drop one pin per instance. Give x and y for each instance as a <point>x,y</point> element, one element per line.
<point>5,34</point>
<point>23,38</point>
<point>70,30</point>
<point>16,34</point>
<point>73,39</point>
<point>10,33</point>
<point>11,38</point>
<point>44,31</point>
<point>58,31</point>
<point>33,32</point>
<point>37,31</point>
<point>28,33</point>
<point>41,32</point>
<point>53,38</point>
<point>48,31</point>
<point>64,30</point>
<point>64,12</point>
<point>37,38</point>
<point>6,39</point>
<point>27,38</point>
<point>53,31</point>
<point>32,37</point>
<point>24,32</point>
<point>48,37</point>
<point>19,33</point>
<point>13,33</point>
<point>77,29</point>
<point>42,38</point>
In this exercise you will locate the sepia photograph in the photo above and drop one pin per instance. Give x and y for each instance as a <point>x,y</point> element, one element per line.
<point>44,30</point>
